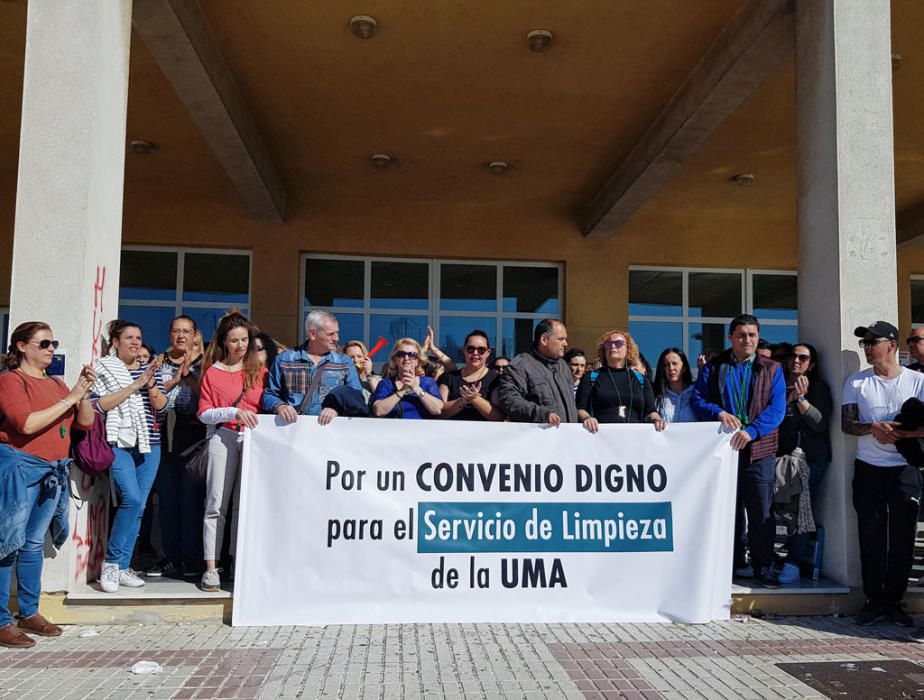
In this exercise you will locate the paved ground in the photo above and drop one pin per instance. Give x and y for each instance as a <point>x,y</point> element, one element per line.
<point>736,659</point>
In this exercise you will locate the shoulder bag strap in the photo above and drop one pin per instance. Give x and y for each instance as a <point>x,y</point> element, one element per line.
<point>313,387</point>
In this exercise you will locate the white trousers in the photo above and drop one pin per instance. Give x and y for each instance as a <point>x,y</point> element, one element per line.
<point>221,483</point>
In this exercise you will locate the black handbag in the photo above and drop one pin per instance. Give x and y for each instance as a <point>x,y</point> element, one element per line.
<point>196,456</point>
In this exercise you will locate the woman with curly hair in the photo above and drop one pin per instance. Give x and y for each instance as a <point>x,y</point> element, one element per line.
<point>232,385</point>
<point>616,393</point>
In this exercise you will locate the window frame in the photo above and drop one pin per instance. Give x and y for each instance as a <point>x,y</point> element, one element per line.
<point>913,278</point>
<point>433,312</point>
<point>5,320</point>
<point>747,298</point>
<point>178,304</point>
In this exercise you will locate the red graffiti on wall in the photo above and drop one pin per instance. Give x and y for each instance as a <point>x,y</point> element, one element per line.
<point>91,533</point>
<point>99,287</point>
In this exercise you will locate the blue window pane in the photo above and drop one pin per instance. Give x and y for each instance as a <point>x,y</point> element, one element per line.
<point>518,336</point>
<point>706,336</point>
<point>217,277</point>
<point>715,294</point>
<point>655,293</point>
<point>468,287</point>
<point>400,285</point>
<point>207,319</point>
<point>531,290</point>
<point>779,334</point>
<point>453,330</point>
<point>653,336</point>
<point>394,327</point>
<point>776,296</point>
<point>154,322</point>
<point>147,275</point>
<point>351,328</point>
<point>334,282</point>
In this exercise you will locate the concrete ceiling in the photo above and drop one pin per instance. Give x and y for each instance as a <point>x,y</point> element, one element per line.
<point>445,88</point>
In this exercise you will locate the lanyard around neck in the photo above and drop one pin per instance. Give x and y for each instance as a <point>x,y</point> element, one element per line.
<point>740,393</point>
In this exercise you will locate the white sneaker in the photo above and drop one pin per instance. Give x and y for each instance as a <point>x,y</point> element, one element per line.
<point>211,581</point>
<point>109,578</point>
<point>128,577</point>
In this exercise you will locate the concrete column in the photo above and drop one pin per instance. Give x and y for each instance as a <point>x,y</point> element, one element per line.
<point>68,226</point>
<point>846,207</point>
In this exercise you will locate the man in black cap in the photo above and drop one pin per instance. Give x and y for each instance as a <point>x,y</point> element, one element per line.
<point>886,489</point>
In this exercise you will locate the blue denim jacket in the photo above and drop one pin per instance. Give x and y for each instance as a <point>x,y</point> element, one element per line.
<point>293,372</point>
<point>18,469</point>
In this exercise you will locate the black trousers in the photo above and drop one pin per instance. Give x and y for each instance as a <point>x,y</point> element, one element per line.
<point>887,500</point>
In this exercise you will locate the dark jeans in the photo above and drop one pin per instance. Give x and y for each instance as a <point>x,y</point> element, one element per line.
<point>887,500</point>
<point>180,497</point>
<point>755,490</point>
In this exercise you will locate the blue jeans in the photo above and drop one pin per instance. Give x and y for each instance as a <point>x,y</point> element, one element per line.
<point>28,560</point>
<point>133,474</point>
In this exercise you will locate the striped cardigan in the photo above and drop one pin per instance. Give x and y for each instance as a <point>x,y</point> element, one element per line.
<point>111,376</point>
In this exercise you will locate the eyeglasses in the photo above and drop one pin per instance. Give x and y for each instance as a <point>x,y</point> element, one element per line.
<point>476,349</point>
<point>411,355</point>
<point>800,358</point>
<point>618,343</point>
<point>864,343</point>
<point>915,339</point>
<point>181,331</point>
<point>45,344</point>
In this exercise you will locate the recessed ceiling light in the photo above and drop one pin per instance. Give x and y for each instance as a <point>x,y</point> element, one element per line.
<point>380,160</point>
<point>363,26</point>
<point>498,167</point>
<point>142,148</point>
<point>744,179</point>
<point>539,40</point>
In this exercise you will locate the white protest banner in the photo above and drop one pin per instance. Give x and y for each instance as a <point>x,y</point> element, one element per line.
<point>385,521</point>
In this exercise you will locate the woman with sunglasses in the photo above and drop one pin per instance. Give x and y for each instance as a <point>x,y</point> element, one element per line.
<point>38,413</point>
<point>616,393</point>
<point>805,425</point>
<point>133,398</point>
<point>406,393</point>
<point>466,391</point>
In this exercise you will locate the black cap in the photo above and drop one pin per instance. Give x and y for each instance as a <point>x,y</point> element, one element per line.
<point>879,329</point>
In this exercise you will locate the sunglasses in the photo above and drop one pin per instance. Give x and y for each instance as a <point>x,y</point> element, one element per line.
<point>871,343</point>
<point>45,344</point>
<point>618,343</point>
<point>476,349</point>
<point>801,358</point>
<point>411,355</point>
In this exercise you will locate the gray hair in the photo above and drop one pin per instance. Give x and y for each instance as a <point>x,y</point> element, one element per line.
<point>316,319</point>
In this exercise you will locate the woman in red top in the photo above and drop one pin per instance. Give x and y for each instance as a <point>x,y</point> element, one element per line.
<point>38,413</point>
<point>231,389</point>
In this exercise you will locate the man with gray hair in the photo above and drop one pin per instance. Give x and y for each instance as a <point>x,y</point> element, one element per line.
<point>302,377</point>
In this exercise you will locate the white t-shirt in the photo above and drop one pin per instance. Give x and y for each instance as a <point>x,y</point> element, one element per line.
<point>880,399</point>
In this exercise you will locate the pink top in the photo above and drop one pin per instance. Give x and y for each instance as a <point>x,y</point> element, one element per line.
<point>220,389</point>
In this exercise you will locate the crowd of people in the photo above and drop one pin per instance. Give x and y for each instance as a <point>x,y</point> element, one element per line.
<point>154,409</point>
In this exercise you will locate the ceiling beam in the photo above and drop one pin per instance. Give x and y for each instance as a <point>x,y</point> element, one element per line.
<point>179,39</point>
<point>909,227</point>
<point>742,56</point>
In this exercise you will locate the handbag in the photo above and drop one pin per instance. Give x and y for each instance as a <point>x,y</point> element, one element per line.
<point>196,456</point>
<point>90,450</point>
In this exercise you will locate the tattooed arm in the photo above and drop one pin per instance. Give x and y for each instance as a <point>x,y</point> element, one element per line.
<point>850,420</point>
<point>884,431</point>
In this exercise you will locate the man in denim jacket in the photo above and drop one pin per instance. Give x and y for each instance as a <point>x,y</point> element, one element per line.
<point>295,370</point>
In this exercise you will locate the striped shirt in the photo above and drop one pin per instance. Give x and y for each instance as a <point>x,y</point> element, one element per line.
<point>149,416</point>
